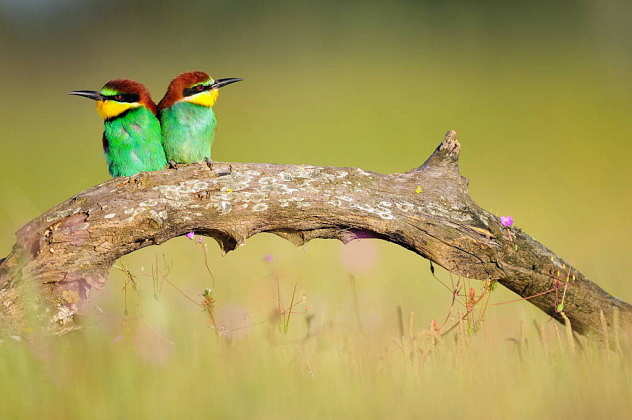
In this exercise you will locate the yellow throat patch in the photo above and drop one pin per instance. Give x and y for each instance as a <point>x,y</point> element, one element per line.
<point>110,109</point>
<point>207,98</point>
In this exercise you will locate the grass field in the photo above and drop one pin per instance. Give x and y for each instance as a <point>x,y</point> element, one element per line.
<point>292,345</point>
<point>541,98</point>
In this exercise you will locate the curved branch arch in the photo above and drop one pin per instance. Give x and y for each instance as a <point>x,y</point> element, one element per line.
<point>68,251</point>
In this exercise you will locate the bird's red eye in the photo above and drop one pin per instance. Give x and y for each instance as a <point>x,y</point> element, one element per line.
<point>118,98</point>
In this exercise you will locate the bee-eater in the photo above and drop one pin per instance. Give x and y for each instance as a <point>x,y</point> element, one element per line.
<point>187,118</point>
<point>131,137</point>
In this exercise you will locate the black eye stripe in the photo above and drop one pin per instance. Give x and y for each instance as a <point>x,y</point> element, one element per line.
<point>195,89</point>
<point>123,97</point>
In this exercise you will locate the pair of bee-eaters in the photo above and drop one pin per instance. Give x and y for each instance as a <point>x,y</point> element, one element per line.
<point>141,136</point>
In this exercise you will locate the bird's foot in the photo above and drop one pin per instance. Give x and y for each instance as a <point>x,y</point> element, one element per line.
<point>223,172</point>
<point>209,163</point>
<point>173,164</point>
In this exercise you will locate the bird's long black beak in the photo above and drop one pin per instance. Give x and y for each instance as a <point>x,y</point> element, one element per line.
<point>223,82</point>
<point>91,94</point>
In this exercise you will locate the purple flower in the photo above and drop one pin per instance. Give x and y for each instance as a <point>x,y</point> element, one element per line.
<point>506,221</point>
<point>267,258</point>
<point>190,235</point>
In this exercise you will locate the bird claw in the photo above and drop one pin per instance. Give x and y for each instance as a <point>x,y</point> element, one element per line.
<point>209,163</point>
<point>226,172</point>
<point>173,164</point>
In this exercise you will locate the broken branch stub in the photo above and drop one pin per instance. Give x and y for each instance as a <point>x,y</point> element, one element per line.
<point>68,251</point>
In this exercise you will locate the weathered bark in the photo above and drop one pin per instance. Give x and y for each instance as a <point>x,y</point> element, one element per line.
<point>68,251</point>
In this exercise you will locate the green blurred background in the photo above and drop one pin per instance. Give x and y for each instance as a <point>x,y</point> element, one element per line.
<point>539,93</point>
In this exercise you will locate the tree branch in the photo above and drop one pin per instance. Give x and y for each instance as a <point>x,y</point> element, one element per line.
<point>68,251</point>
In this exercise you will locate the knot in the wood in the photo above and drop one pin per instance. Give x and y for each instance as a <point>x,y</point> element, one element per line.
<point>446,155</point>
<point>450,145</point>
<point>443,165</point>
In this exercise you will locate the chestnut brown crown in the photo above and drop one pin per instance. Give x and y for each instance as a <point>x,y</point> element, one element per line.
<point>176,87</point>
<point>131,87</point>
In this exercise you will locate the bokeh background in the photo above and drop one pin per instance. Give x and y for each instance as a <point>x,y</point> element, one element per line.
<point>540,95</point>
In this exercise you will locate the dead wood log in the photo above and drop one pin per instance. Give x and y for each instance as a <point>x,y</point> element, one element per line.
<point>67,252</point>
